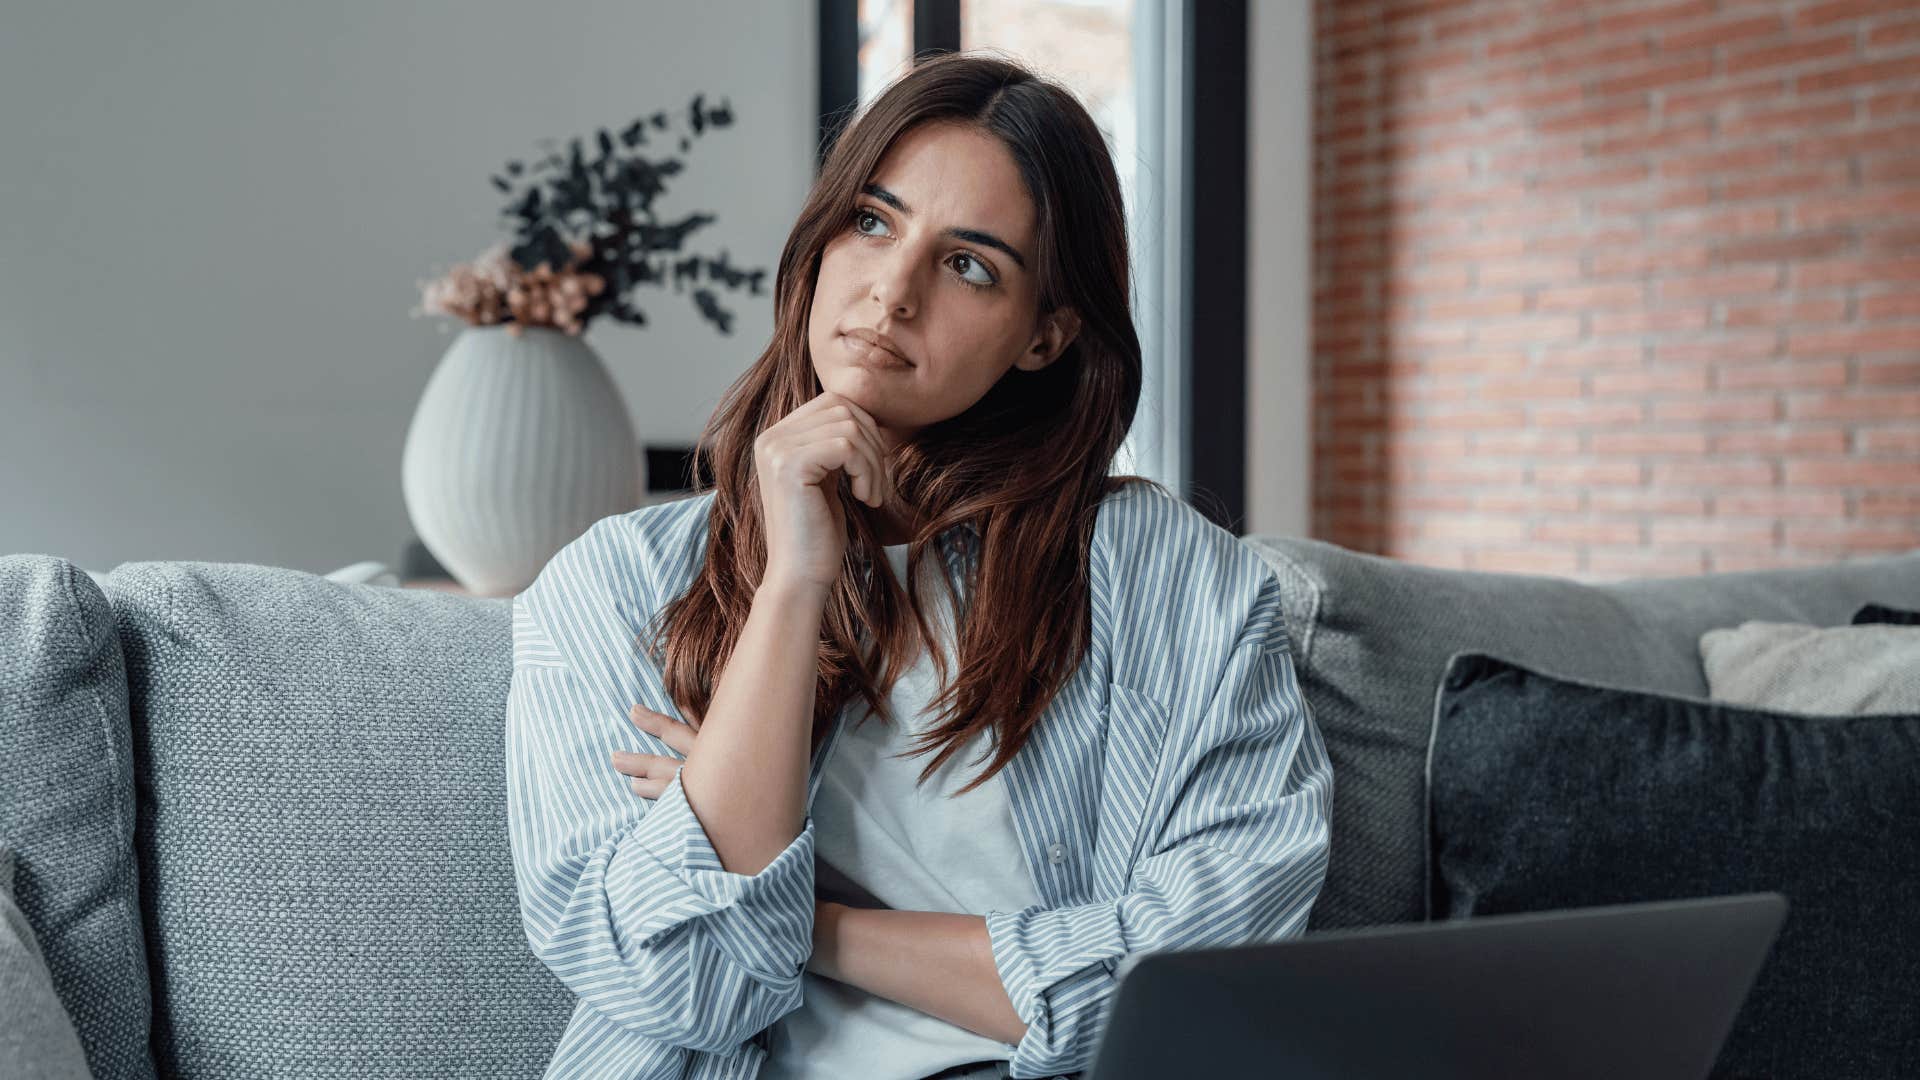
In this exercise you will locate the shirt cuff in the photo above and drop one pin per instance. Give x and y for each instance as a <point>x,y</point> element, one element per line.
<point>1036,947</point>
<point>763,921</point>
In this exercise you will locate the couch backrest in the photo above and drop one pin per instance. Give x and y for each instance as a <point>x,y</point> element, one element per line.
<point>1372,637</point>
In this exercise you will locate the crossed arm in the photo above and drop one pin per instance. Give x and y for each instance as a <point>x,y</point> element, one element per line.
<point>933,961</point>
<point>937,962</point>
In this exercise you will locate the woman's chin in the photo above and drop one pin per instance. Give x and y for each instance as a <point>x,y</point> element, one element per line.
<point>867,387</point>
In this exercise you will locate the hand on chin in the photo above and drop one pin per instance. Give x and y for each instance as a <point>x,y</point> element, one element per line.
<point>852,384</point>
<point>849,383</point>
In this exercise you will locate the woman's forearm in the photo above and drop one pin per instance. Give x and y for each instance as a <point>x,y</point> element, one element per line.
<point>746,776</point>
<point>933,961</point>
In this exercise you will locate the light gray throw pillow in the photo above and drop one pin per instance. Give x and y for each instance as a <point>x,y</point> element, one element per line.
<point>323,828</point>
<point>1824,670</point>
<point>36,1037</point>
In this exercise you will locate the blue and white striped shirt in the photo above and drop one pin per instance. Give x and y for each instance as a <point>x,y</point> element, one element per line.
<point>1174,795</point>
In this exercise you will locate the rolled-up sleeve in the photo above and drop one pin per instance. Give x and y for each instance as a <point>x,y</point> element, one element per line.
<point>1238,854</point>
<point>623,898</point>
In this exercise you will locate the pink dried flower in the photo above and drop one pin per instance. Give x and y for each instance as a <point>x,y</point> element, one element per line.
<point>493,289</point>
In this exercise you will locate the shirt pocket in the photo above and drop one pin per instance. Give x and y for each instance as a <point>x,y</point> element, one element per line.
<point>1136,733</point>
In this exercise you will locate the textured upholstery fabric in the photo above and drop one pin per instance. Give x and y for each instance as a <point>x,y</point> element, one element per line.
<point>1553,793</point>
<point>1372,637</point>
<point>36,1038</point>
<point>66,804</point>
<point>322,829</point>
<point>1829,670</point>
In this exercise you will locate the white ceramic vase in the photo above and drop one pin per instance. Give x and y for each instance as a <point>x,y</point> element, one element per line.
<point>518,444</point>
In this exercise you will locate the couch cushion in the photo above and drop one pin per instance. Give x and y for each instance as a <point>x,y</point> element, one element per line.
<point>1373,635</point>
<point>1554,793</point>
<point>67,804</point>
<point>38,1039</point>
<point>323,837</point>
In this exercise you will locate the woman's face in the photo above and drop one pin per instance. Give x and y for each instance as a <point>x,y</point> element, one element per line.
<point>937,254</point>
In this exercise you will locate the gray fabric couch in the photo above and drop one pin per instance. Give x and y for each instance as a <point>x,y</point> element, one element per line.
<point>259,816</point>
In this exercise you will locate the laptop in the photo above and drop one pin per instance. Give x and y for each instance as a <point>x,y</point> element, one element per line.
<point>1648,991</point>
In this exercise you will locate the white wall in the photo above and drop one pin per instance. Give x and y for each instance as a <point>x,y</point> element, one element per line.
<point>1279,267</point>
<point>213,216</point>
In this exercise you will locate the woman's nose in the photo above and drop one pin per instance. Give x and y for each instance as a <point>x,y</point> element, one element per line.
<point>895,286</point>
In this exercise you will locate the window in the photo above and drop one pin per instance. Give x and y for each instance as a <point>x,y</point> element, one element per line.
<point>1089,45</point>
<point>886,43</point>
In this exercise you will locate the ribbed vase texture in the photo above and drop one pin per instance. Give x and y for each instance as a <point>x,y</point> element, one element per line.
<point>518,444</point>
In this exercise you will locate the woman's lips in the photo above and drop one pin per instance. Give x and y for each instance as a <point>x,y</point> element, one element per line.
<point>872,355</point>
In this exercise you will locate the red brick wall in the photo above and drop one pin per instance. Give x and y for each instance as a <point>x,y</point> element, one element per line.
<point>1611,288</point>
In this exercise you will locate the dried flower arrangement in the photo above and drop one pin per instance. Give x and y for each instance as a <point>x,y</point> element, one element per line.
<point>586,236</point>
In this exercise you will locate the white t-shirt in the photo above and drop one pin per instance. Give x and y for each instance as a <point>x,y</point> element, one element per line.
<point>882,841</point>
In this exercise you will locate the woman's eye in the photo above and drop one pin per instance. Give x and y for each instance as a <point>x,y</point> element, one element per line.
<point>864,215</point>
<point>972,263</point>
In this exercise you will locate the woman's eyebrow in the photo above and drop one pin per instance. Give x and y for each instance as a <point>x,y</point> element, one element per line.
<point>972,236</point>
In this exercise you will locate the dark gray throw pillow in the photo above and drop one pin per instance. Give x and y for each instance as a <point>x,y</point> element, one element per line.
<point>1549,793</point>
<point>1879,613</point>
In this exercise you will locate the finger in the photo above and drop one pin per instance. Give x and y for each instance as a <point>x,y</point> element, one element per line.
<point>814,452</point>
<point>844,449</point>
<point>678,736</point>
<point>814,404</point>
<point>647,789</point>
<point>861,414</point>
<point>803,415</point>
<point>872,428</point>
<point>864,462</point>
<point>865,420</point>
<point>806,415</point>
<point>850,421</point>
<point>883,487</point>
<point>863,465</point>
<point>629,763</point>
<point>884,490</point>
<point>830,414</point>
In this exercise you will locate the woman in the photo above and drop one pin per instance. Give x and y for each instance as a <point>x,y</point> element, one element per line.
<point>773,885</point>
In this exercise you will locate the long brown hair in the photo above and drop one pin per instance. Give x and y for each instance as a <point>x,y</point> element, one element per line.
<point>1027,465</point>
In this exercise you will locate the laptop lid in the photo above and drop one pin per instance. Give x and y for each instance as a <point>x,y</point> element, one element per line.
<point>1642,990</point>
